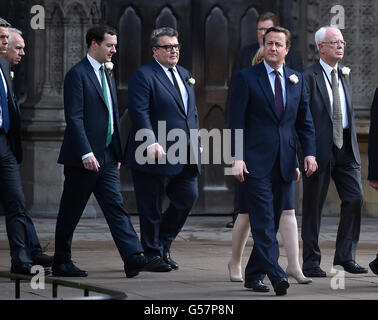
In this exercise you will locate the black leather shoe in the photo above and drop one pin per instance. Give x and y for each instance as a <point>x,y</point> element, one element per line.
<point>167,259</point>
<point>140,263</point>
<point>352,267</point>
<point>374,265</point>
<point>43,260</point>
<point>67,270</point>
<point>256,285</point>
<point>314,272</point>
<point>280,287</point>
<point>26,269</point>
<point>161,267</point>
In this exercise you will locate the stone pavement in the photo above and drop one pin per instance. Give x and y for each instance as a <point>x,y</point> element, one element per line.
<point>202,250</point>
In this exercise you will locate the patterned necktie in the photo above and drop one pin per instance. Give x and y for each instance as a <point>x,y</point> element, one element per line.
<point>176,85</point>
<point>4,106</point>
<point>278,94</point>
<point>103,84</point>
<point>337,117</point>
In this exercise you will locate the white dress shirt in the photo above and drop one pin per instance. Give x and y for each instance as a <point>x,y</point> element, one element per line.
<point>272,79</point>
<point>184,93</point>
<point>96,68</point>
<point>328,80</point>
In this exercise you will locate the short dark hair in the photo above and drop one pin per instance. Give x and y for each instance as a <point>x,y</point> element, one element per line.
<point>97,33</point>
<point>4,23</point>
<point>280,29</point>
<point>164,31</point>
<point>269,16</point>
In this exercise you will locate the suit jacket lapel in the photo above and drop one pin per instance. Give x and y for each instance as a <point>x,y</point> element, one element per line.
<point>319,78</point>
<point>290,90</point>
<point>267,89</point>
<point>160,74</point>
<point>94,79</point>
<point>9,84</point>
<point>347,91</point>
<point>188,88</point>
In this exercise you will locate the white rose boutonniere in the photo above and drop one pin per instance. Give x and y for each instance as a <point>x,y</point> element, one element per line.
<point>109,66</point>
<point>294,79</point>
<point>191,81</point>
<point>345,71</point>
<point>12,75</point>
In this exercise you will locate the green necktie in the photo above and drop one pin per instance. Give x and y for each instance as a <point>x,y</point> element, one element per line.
<point>103,83</point>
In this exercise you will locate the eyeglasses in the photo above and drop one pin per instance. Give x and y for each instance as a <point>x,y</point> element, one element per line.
<point>336,43</point>
<point>170,47</point>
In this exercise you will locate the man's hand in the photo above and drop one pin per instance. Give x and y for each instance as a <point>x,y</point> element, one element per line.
<point>91,163</point>
<point>118,165</point>
<point>155,151</point>
<point>374,184</point>
<point>297,175</point>
<point>238,170</point>
<point>310,165</point>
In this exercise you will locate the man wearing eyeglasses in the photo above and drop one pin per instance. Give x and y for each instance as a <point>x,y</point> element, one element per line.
<point>161,94</point>
<point>329,86</point>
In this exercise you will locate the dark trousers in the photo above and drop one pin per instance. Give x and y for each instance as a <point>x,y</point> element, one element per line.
<point>265,201</point>
<point>158,230</point>
<point>78,186</point>
<point>346,174</point>
<point>22,236</point>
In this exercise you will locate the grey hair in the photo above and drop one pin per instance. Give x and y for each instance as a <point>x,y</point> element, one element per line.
<point>321,34</point>
<point>10,39</point>
<point>4,23</point>
<point>164,31</point>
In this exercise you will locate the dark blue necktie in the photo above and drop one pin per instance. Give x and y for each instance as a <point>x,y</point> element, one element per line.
<point>278,94</point>
<point>4,106</point>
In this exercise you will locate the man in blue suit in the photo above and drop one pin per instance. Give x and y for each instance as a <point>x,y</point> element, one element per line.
<point>272,107</point>
<point>91,155</point>
<point>161,95</point>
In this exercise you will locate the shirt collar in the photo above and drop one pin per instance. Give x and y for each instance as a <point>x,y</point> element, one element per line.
<point>165,68</point>
<point>269,69</point>
<point>94,63</point>
<point>327,68</point>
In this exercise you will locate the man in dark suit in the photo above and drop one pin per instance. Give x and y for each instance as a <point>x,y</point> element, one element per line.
<point>329,87</point>
<point>161,94</point>
<point>91,155</point>
<point>373,158</point>
<point>270,104</point>
<point>24,245</point>
<point>244,59</point>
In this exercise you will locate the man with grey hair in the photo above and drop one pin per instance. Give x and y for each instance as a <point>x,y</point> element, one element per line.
<point>162,91</point>
<point>330,89</point>
<point>24,245</point>
<point>4,36</point>
<point>16,46</point>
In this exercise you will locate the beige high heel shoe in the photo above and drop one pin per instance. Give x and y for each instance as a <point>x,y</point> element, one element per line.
<point>301,279</point>
<point>234,278</point>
